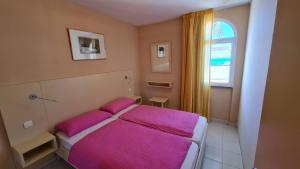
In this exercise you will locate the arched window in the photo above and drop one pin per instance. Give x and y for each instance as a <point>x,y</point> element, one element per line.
<point>223,53</point>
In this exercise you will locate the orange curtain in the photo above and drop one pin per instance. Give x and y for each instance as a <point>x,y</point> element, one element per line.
<point>195,77</point>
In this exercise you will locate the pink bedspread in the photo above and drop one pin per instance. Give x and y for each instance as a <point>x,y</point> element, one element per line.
<point>168,120</point>
<point>125,145</point>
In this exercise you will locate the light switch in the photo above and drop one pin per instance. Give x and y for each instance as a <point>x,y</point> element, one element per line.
<point>27,124</point>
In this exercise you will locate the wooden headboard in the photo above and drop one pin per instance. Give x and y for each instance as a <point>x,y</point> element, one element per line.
<point>73,95</point>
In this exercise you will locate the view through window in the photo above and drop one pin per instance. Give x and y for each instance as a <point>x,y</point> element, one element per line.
<point>222,54</point>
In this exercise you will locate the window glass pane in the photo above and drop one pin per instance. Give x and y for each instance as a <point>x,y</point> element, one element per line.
<point>222,30</point>
<point>220,62</point>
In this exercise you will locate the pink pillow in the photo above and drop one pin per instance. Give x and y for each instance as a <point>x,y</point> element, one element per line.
<point>78,123</point>
<point>117,105</point>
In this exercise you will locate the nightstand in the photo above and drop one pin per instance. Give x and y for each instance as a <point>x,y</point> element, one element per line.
<point>35,149</point>
<point>161,101</point>
<point>138,99</point>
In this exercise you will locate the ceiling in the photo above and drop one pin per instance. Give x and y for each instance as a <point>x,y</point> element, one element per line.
<point>143,12</point>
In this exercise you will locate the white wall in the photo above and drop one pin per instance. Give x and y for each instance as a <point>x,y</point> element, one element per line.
<point>260,35</point>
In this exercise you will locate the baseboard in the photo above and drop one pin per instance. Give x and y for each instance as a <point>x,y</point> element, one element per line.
<point>224,122</point>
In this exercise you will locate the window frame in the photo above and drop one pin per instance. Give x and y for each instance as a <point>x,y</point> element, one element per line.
<point>233,55</point>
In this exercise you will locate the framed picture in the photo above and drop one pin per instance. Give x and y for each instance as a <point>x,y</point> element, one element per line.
<point>87,45</point>
<point>161,57</point>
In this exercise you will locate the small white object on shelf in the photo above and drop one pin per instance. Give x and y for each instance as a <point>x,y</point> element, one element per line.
<point>35,149</point>
<point>162,101</point>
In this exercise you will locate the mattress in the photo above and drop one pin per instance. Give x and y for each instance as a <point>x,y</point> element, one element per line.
<point>198,133</point>
<point>66,144</point>
<point>191,158</point>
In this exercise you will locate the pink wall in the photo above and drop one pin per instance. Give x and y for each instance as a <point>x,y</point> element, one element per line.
<point>225,101</point>
<point>161,32</point>
<point>35,43</point>
<point>35,46</point>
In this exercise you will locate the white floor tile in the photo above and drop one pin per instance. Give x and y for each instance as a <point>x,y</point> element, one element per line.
<point>225,166</point>
<point>232,146</point>
<point>213,127</point>
<point>213,131</point>
<point>229,127</point>
<point>232,159</point>
<point>211,164</point>
<point>216,124</point>
<point>214,141</point>
<point>225,138</point>
<point>230,135</point>
<point>213,153</point>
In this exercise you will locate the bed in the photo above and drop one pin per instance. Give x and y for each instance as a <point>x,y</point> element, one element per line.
<point>96,144</point>
<point>192,159</point>
<point>199,132</point>
<point>198,137</point>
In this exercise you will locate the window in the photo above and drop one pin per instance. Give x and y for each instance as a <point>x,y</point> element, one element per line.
<point>223,54</point>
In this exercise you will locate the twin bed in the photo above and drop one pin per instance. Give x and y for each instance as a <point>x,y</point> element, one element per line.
<point>136,137</point>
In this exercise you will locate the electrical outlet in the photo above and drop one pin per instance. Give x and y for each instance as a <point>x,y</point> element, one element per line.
<point>27,124</point>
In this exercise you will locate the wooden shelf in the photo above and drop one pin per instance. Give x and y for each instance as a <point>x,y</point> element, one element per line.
<point>35,149</point>
<point>160,84</point>
<point>162,101</point>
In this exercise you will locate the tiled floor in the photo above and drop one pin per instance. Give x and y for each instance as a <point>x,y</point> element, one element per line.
<point>222,148</point>
<point>58,164</point>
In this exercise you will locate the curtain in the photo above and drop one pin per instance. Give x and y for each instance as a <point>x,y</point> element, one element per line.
<point>195,76</point>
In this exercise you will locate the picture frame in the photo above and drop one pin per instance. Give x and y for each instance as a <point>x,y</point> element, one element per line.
<point>86,45</point>
<point>161,57</point>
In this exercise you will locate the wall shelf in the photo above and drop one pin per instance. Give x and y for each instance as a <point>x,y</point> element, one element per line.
<point>159,84</point>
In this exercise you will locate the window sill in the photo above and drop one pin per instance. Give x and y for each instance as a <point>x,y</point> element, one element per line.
<point>216,85</point>
<point>228,87</point>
